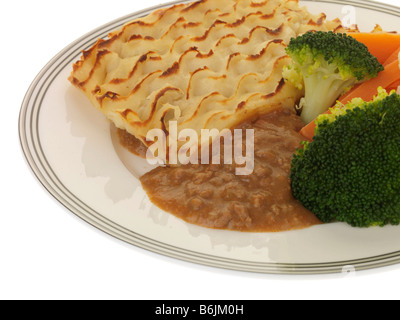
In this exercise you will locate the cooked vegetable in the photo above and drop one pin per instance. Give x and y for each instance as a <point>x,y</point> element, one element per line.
<point>325,65</point>
<point>350,172</point>
<point>394,86</point>
<point>366,91</point>
<point>393,57</point>
<point>379,44</point>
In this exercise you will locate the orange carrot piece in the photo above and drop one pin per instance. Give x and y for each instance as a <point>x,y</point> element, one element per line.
<point>394,86</point>
<point>308,130</point>
<point>393,57</point>
<point>380,44</point>
<point>366,91</point>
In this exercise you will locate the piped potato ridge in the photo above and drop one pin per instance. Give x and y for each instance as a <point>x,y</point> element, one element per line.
<point>210,64</point>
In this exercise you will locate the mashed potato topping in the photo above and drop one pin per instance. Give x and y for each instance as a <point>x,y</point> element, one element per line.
<point>206,64</point>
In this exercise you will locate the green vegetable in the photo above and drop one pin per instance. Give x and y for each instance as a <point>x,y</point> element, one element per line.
<point>325,65</point>
<point>350,172</point>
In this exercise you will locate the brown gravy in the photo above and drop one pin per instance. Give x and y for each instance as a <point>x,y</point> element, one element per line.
<point>131,143</point>
<point>213,196</point>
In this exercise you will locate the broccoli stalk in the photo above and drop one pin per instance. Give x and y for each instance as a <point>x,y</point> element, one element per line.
<point>325,65</point>
<point>350,172</point>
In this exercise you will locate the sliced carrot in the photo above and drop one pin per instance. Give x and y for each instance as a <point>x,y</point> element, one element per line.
<point>348,95</point>
<point>366,91</point>
<point>393,57</point>
<point>308,130</point>
<point>380,44</point>
<point>394,86</point>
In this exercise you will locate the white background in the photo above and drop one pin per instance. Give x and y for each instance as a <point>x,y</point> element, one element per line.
<point>48,253</point>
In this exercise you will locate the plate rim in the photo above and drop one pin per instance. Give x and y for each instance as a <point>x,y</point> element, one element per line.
<point>36,160</point>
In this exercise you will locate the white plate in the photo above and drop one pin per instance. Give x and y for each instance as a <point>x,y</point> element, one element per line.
<point>72,150</point>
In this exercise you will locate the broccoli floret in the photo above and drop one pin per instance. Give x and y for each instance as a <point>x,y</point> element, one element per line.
<point>325,65</point>
<point>350,172</point>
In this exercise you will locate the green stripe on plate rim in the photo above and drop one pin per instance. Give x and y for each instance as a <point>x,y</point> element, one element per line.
<point>36,159</point>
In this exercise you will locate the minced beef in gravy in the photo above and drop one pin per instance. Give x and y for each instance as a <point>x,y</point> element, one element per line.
<point>214,196</point>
